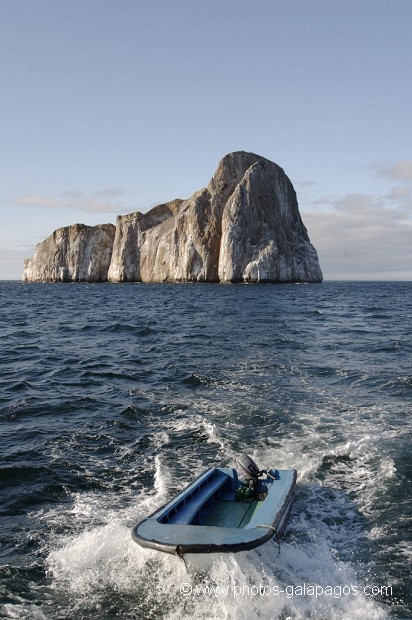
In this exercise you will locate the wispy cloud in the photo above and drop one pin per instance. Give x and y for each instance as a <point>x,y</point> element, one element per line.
<point>304,184</point>
<point>102,201</point>
<point>401,171</point>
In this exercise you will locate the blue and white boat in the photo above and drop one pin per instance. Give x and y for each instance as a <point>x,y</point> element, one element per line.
<point>220,512</point>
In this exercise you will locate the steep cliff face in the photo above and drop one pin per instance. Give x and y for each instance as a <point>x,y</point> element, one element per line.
<point>125,265</point>
<point>74,253</point>
<point>244,227</point>
<point>263,236</point>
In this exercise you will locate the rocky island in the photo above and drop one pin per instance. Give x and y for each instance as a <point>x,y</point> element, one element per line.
<point>245,226</point>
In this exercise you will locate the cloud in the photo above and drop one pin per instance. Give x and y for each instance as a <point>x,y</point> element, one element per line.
<point>401,171</point>
<point>360,236</point>
<point>401,197</point>
<point>102,201</point>
<point>303,185</point>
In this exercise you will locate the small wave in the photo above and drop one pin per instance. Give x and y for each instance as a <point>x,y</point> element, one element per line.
<point>400,385</point>
<point>118,328</point>
<point>195,380</point>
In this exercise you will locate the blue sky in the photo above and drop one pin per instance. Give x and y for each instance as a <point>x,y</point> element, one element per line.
<point>113,106</point>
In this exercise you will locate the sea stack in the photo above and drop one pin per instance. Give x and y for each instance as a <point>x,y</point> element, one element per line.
<point>245,226</point>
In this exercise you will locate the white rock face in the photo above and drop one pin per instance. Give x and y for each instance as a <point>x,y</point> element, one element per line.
<point>244,227</point>
<point>76,253</point>
<point>263,236</point>
<point>126,260</point>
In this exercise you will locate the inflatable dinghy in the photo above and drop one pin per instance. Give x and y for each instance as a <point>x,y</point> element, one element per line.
<point>221,512</point>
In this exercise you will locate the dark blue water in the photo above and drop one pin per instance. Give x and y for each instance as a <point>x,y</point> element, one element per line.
<point>113,397</point>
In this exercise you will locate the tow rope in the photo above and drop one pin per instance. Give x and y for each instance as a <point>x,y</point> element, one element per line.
<point>271,527</point>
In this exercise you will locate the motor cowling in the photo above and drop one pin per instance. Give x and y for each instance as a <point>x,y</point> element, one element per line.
<point>248,466</point>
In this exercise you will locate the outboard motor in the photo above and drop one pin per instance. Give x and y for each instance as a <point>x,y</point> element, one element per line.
<point>249,467</point>
<point>252,474</point>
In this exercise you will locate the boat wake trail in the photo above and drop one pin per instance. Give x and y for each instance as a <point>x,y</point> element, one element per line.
<point>307,576</point>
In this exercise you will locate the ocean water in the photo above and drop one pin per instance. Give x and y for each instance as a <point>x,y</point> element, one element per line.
<point>114,397</point>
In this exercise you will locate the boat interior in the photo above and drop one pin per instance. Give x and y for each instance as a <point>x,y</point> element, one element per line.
<point>212,502</point>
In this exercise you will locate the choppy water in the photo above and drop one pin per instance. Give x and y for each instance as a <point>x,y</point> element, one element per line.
<point>113,397</point>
